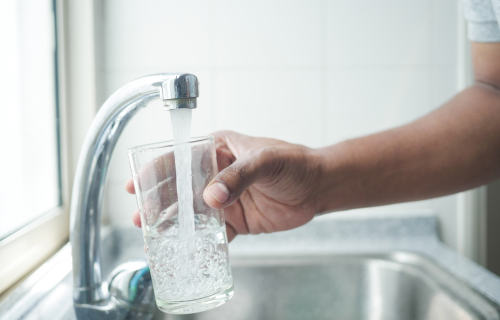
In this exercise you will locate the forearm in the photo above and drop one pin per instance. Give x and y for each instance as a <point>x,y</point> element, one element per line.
<point>455,148</point>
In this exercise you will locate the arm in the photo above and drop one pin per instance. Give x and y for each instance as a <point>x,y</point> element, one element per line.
<point>454,148</point>
<point>267,185</point>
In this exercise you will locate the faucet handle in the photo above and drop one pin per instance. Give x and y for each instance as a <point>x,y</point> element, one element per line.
<point>130,283</point>
<point>179,91</point>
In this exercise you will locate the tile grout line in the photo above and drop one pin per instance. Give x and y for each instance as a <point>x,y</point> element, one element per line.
<point>324,73</point>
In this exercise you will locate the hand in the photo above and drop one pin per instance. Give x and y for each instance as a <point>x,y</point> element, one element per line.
<point>264,185</point>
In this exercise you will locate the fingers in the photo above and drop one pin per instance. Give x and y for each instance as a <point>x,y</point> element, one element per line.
<point>157,188</point>
<point>235,217</point>
<point>230,183</point>
<point>156,171</point>
<point>231,234</point>
<point>129,186</point>
<point>136,218</point>
<point>165,222</point>
<point>153,173</point>
<point>235,142</point>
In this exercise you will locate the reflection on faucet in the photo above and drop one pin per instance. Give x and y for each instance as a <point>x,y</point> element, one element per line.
<point>92,299</point>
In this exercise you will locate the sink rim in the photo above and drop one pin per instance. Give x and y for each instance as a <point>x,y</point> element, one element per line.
<point>416,263</point>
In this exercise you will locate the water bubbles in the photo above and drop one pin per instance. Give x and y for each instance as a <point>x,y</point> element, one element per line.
<point>188,269</point>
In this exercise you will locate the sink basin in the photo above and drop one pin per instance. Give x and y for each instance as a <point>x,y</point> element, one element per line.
<point>380,283</point>
<point>399,285</point>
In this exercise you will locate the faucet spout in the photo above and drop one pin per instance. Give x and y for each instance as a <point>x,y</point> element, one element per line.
<point>180,92</point>
<point>176,91</point>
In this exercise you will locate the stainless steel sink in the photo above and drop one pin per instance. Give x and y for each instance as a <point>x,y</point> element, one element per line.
<point>400,286</point>
<point>375,286</point>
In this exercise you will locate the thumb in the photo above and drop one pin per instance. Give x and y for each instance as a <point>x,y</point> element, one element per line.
<point>230,183</point>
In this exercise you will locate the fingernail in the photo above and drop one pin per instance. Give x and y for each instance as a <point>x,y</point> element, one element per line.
<point>219,192</point>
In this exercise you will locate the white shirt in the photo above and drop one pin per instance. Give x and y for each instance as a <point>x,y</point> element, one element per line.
<point>483,17</point>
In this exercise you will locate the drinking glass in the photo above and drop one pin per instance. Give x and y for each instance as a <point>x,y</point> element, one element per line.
<point>190,270</point>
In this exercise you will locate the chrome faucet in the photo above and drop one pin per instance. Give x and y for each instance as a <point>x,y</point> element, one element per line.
<point>94,299</point>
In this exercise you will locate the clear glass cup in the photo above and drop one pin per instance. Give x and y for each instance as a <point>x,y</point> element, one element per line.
<point>191,272</point>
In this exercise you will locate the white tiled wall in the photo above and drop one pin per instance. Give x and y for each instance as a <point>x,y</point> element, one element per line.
<point>378,33</point>
<point>267,34</point>
<point>307,71</point>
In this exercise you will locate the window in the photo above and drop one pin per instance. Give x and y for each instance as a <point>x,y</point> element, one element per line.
<point>30,183</point>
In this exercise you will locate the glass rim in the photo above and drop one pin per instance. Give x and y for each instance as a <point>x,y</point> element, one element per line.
<point>168,144</point>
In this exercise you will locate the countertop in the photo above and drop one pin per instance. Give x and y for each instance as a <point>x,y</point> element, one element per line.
<point>51,284</point>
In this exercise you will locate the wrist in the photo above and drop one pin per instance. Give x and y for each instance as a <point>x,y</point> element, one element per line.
<point>331,163</point>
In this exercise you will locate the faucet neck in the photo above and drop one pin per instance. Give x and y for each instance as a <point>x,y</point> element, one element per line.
<point>88,187</point>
